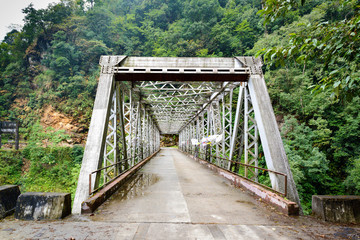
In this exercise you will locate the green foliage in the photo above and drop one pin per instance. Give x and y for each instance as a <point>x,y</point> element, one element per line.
<point>52,169</point>
<point>353,180</point>
<point>309,165</point>
<point>10,167</point>
<point>37,168</point>
<point>38,136</point>
<point>328,41</point>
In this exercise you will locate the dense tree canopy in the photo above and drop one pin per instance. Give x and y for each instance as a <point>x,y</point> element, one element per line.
<point>330,41</point>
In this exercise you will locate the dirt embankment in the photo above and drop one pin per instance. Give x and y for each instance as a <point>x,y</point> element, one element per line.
<point>52,118</point>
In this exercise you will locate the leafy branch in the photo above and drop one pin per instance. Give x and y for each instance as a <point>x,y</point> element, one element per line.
<point>333,45</point>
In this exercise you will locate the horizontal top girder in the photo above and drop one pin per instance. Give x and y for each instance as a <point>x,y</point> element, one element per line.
<point>180,62</point>
<point>173,68</point>
<point>181,77</point>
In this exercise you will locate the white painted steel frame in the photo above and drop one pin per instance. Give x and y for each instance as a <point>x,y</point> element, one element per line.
<point>132,115</point>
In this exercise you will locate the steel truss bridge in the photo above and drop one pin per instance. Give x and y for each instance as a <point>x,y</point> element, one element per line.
<point>140,98</point>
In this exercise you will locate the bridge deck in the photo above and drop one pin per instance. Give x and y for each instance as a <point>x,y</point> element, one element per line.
<point>173,188</point>
<point>174,197</point>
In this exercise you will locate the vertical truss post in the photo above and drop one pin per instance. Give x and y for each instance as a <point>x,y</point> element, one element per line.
<point>140,133</point>
<point>202,126</point>
<point>207,122</point>
<point>251,137</point>
<point>144,134</point>
<point>184,138</point>
<point>111,147</point>
<point>223,122</point>
<point>158,139</point>
<point>246,131</point>
<point>181,139</point>
<point>197,135</point>
<point>156,147</point>
<point>237,142</point>
<point>216,127</point>
<point>188,138</point>
<point>227,123</point>
<point>133,131</point>
<point>128,118</point>
<point>202,131</point>
<point>120,99</point>
<point>152,138</point>
<point>207,133</point>
<point>137,134</point>
<point>209,130</point>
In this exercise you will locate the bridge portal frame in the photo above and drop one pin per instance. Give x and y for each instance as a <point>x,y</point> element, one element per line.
<point>128,118</point>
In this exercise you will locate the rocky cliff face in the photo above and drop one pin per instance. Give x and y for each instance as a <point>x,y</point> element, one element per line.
<point>58,121</point>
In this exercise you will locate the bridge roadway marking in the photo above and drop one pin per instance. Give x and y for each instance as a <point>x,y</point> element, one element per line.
<point>173,197</point>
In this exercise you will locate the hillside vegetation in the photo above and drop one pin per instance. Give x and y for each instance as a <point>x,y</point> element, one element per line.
<point>312,63</point>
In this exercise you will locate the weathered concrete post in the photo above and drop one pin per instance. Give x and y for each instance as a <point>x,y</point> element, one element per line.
<point>94,148</point>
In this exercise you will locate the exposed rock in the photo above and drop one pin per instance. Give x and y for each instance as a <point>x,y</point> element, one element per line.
<point>57,120</point>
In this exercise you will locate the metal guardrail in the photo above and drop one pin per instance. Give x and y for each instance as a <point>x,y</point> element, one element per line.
<point>250,166</point>
<point>112,165</point>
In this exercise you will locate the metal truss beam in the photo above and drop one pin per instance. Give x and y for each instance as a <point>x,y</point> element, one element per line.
<point>139,98</point>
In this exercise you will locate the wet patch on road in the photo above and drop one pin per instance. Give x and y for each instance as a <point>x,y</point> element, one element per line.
<point>136,186</point>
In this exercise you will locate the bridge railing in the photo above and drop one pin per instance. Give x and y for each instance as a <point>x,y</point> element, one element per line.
<point>116,168</point>
<point>213,159</point>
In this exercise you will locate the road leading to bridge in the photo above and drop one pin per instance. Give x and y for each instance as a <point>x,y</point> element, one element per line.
<point>174,197</point>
